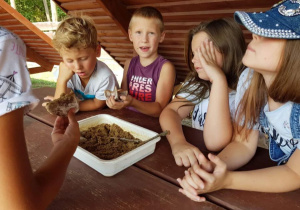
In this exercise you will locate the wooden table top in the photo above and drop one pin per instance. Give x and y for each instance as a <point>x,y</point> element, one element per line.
<point>161,163</point>
<point>85,188</point>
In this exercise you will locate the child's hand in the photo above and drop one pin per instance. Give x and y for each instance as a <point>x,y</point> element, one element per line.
<point>64,72</point>
<point>113,104</point>
<point>66,129</point>
<point>199,181</point>
<point>207,56</point>
<point>185,154</point>
<point>191,184</point>
<point>50,98</point>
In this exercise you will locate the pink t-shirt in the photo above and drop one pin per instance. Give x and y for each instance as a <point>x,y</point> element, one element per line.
<point>142,81</point>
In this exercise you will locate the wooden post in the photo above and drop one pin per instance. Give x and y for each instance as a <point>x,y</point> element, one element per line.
<point>46,10</point>
<point>13,4</point>
<point>53,11</point>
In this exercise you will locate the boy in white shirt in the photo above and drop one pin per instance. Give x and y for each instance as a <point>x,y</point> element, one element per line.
<point>80,71</point>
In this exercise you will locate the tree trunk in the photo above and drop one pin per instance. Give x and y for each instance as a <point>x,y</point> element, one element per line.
<point>47,10</point>
<point>13,4</point>
<point>53,11</point>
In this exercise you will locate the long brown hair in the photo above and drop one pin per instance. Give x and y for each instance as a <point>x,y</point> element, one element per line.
<point>284,88</point>
<point>228,39</point>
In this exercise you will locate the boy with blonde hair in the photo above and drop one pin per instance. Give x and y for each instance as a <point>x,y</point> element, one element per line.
<point>80,71</point>
<point>148,77</point>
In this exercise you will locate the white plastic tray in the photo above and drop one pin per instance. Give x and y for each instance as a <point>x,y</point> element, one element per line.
<point>111,167</point>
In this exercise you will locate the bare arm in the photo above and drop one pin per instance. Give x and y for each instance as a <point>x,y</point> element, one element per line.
<point>170,119</point>
<point>91,104</point>
<point>218,116</point>
<point>240,151</point>
<point>63,77</point>
<point>218,113</point>
<point>269,179</point>
<point>20,187</point>
<point>124,80</point>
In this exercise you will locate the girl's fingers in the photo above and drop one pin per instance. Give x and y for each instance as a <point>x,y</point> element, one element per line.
<point>216,160</point>
<point>204,175</point>
<point>189,180</point>
<point>191,196</point>
<point>212,50</point>
<point>185,185</point>
<point>178,160</point>
<point>205,164</point>
<point>196,179</point>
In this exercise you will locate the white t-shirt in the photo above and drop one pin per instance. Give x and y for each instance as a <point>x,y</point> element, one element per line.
<point>15,83</point>
<point>102,79</point>
<point>278,120</point>
<point>200,109</point>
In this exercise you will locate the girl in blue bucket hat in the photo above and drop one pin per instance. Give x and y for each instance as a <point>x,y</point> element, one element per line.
<point>268,102</point>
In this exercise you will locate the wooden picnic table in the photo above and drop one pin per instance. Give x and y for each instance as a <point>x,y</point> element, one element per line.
<point>85,188</point>
<point>161,163</point>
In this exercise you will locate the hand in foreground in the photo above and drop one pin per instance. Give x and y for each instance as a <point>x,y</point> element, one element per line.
<point>185,154</point>
<point>50,98</point>
<point>198,181</point>
<point>113,104</point>
<point>66,129</point>
<point>207,56</point>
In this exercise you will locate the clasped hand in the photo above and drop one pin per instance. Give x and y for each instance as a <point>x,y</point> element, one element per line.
<point>205,176</point>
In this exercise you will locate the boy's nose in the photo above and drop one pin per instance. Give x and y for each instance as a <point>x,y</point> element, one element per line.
<point>145,38</point>
<point>77,65</point>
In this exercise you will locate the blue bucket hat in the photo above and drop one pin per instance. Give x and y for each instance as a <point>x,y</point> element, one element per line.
<point>281,21</point>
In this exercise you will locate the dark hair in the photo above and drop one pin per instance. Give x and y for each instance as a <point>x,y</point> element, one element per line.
<point>149,12</point>
<point>228,39</point>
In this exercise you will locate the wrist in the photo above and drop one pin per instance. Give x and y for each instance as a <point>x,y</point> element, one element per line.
<point>220,79</point>
<point>228,180</point>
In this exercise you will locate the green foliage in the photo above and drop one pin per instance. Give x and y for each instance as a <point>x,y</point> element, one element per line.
<point>34,10</point>
<point>37,83</point>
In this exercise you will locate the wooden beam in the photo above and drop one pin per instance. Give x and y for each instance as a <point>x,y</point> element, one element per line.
<point>25,22</point>
<point>35,70</point>
<point>33,56</point>
<point>118,12</point>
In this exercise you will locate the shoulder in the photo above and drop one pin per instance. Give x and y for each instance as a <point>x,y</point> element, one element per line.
<point>102,68</point>
<point>168,67</point>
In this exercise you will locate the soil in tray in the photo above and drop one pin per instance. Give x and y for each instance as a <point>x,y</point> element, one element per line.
<point>98,141</point>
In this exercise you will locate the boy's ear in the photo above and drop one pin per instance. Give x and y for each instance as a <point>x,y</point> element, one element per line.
<point>162,37</point>
<point>98,50</point>
<point>130,34</point>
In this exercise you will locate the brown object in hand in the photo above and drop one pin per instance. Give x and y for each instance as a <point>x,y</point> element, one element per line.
<point>63,104</point>
<point>116,93</point>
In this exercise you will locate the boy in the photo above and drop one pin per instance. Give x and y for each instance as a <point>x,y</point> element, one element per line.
<point>148,77</point>
<point>80,71</point>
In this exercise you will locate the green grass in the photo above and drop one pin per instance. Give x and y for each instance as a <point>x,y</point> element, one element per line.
<point>38,83</point>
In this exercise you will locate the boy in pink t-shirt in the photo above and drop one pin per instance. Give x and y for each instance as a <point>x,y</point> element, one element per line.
<point>148,77</point>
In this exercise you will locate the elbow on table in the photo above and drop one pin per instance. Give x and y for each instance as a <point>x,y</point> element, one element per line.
<point>216,144</point>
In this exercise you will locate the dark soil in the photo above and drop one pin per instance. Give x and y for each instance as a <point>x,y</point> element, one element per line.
<point>98,141</point>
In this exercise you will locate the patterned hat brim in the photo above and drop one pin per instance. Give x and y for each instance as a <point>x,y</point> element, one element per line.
<point>266,25</point>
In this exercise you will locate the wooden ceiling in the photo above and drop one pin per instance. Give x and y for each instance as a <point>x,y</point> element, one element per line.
<point>112,18</point>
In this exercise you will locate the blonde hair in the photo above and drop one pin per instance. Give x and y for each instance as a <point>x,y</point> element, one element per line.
<point>148,12</point>
<point>283,89</point>
<point>75,32</point>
